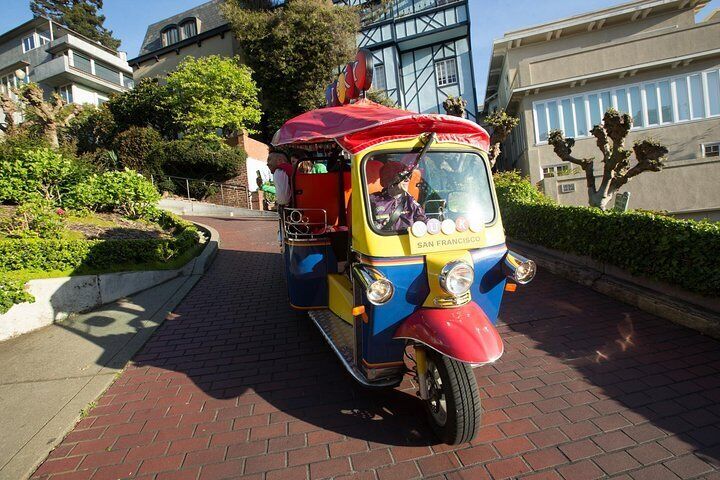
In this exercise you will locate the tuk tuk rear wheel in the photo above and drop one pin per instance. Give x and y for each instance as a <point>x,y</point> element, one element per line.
<point>453,404</point>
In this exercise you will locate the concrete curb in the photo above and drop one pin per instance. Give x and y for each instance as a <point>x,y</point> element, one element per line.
<point>57,298</point>
<point>666,301</point>
<point>203,209</point>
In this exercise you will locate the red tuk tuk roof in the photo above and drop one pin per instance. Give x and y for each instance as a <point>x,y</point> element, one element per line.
<point>363,124</point>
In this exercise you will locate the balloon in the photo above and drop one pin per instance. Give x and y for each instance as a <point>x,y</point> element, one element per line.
<point>363,70</point>
<point>342,89</point>
<point>351,92</point>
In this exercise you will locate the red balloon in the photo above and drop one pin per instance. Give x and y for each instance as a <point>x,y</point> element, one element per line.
<point>335,100</point>
<point>363,70</point>
<point>351,92</point>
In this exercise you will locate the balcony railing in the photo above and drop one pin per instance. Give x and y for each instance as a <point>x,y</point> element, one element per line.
<point>376,11</point>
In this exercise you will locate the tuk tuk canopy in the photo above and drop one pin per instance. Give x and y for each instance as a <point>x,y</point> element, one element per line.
<point>363,124</point>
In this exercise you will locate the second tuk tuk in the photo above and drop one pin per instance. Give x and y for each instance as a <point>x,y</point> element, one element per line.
<point>398,251</point>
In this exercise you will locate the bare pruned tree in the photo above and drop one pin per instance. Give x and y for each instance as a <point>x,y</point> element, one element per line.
<point>9,108</point>
<point>455,106</point>
<point>610,139</point>
<point>502,125</point>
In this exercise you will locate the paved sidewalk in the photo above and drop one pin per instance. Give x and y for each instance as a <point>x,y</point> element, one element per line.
<point>48,376</point>
<point>236,384</point>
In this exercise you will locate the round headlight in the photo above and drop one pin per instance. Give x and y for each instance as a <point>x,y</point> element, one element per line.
<point>457,277</point>
<point>525,272</point>
<point>380,291</point>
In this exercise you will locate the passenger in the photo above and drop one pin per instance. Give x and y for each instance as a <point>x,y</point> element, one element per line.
<point>282,171</point>
<point>393,208</point>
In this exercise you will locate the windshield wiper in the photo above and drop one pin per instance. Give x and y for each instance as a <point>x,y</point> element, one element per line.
<point>430,140</point>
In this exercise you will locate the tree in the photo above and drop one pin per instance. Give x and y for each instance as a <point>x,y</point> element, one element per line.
<point>502,124</point>
<point>149,104</point>
<point>381,97</point>
<point>213,93</point>
<point>93,129</point>
<point>48,117</point>
<point>455,106</point>
<point>610,139</point>
<point>9,109</point>
<point>294,50</point>
<point>81,16</point>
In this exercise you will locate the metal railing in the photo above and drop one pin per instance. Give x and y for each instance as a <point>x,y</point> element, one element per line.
<point>219,193</point>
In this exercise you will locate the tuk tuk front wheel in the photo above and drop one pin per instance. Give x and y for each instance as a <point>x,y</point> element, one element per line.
<point>453,403</point>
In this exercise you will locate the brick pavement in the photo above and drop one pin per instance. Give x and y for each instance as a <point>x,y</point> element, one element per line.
<point>236,384</point>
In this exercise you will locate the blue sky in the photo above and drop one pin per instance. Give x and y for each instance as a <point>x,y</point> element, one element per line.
<point>490,19</point>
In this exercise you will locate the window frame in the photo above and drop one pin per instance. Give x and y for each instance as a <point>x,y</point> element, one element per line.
<point>164,35</point>
<point>711,145</point>
<point>67,88</point>
<point>34,40</point>
<point>443,61</point>
<point>539,107</point>
<point>184,24</point>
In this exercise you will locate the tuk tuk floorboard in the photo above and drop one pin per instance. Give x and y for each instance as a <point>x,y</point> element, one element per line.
<point>236,384</point>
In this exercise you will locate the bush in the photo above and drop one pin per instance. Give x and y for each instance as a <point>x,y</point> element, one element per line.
<point>26,173</point>
<point>127,193</point>
<point>12,292</point>
<point>37,218</point>
<point>205,161</point>
<point>679,252</point>
<point>92,255</point>
<point>93,129</point>
<point>135,148</point>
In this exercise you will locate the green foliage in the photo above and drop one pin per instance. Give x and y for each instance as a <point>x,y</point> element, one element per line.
<point>11,293</point>
<point>37,218</point>
<point>135,147</point>
<point>381,97</point>
<point>642,243</point>
<point>25,173</point>
<point>82,16</point>
<point>186,158</point>
<point>93,129</point>
<point>125,192</point>
<point>213,93</point>
<point>513,186</point>
<point>149,104</point>
<point>294,51</point>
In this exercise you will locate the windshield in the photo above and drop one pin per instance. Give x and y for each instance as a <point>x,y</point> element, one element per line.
<point>444,185</point>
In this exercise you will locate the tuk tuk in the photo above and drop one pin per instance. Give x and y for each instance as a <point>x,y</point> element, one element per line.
<point>398,251</point>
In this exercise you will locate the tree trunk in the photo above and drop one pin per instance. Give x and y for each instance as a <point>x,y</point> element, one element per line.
<point>51,134</point>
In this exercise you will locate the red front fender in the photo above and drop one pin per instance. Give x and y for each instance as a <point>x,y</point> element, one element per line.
<point>465,333</point>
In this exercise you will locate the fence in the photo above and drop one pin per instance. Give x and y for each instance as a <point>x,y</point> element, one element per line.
<point>227,194</point>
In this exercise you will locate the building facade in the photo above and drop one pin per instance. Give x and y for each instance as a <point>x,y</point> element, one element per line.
<point>80,70</point>
<point>198,32</point>
<point>648,58</point>
<point>421,51</point>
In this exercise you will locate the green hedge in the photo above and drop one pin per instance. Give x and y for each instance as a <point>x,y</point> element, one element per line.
<point>680,252</point>
<point>93,255</point>
<point>12,292</point>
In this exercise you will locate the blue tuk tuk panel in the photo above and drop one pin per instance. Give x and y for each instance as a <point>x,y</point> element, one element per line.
<point>307,265</point>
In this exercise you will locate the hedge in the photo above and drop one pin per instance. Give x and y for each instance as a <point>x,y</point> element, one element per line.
<point>91,255</point>
<point>679,252</point>
<point>12,292</point>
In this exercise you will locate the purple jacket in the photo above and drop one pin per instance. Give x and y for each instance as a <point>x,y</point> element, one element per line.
<point>383,206</point>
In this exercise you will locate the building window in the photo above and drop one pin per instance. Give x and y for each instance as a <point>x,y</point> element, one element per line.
<point>128,81</point>
<point>81,62</point>
<point>44,38</point>
<point>29,43</point>
<point>66,93</point>
<point>379,77</point>
<point>101,100</point>
<point>170,36</point>
<point>446,72</point>
<point>107,73</point>
<point>189,29</point>
<point>556,170</point>
<point>660,102</point>
<point>567,187</point>
<point>711,150</point>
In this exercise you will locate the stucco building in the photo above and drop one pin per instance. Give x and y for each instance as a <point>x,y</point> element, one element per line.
<point>649,58</point>
<point>421,51</point>
<point>198,32</point>
<point>63,61</point>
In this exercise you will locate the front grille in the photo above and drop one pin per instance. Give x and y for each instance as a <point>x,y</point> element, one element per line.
<point>452,301</point>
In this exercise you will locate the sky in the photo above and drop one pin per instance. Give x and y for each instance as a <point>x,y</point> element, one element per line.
<point>490,19</point>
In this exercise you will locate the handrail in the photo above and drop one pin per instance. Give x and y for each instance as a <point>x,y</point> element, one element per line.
<point>209,189</point>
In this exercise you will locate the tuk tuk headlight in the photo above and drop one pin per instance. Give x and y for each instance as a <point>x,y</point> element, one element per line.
<point>525,272</point>
<point>380,291</point>
<point>457,277</point>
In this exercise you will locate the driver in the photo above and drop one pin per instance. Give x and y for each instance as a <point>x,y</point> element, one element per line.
<point>393,208</point>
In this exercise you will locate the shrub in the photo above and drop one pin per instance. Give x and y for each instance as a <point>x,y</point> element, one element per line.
<point>135,148</point>
<point>37,218</point>
<point>206,161</point>
<point>93,129</point>
<point>25,173</point>
<point>127,193</point>
<point>12,292</point>
<point>655,246</point>
<point>512,186</point>
<point>91,255</point>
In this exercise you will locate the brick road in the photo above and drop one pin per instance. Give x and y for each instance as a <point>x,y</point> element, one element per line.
<point>236,384</point>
